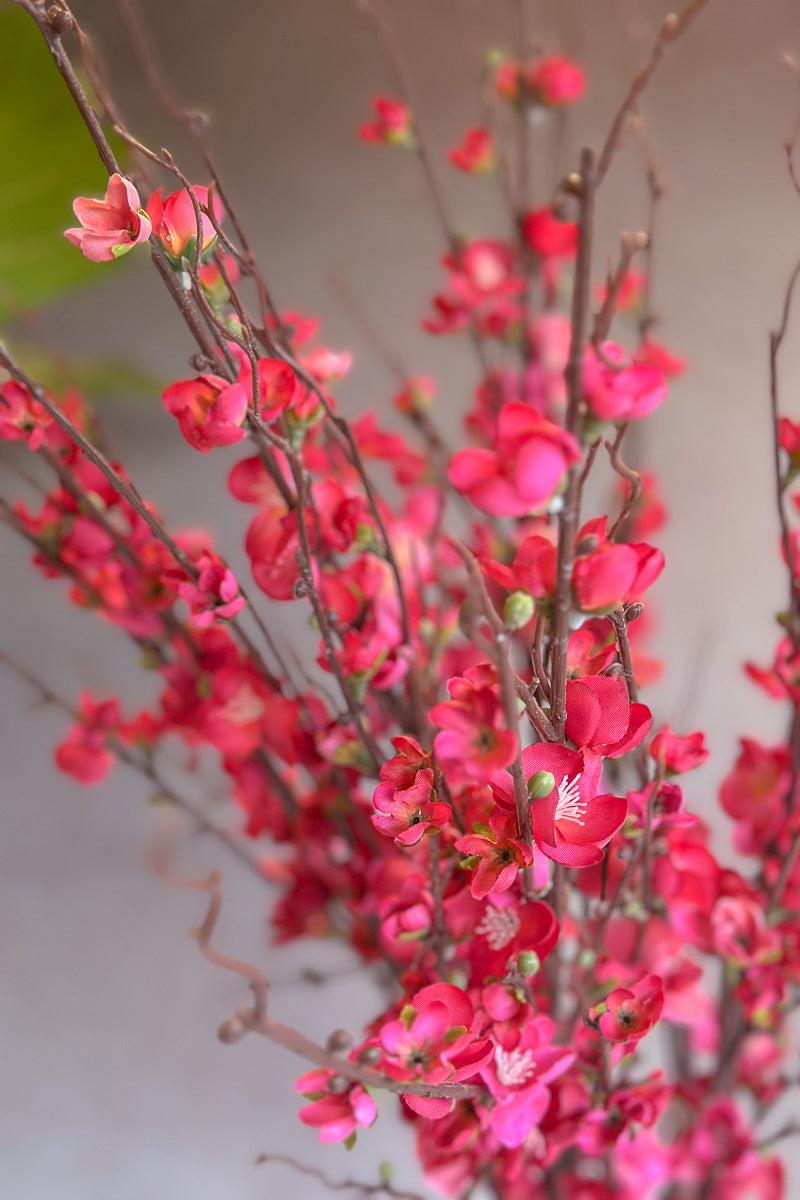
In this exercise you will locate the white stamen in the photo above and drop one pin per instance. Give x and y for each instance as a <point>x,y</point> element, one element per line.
<point>514,1066</point>
<point>500,925</point>
<point>245,707</point>
<point>570,806</point>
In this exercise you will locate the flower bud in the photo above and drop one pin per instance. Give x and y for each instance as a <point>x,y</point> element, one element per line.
<point>518,610</point>
<point>528,962</point>
<point>232,1031</point>
<point>337,1085</point>
<point>541,784</point>
<point>339,1041</point>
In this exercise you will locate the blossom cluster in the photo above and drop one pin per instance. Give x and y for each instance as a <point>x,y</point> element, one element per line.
<point>470,788</point>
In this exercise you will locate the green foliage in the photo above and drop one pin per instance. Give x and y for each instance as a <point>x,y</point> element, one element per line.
<point>48,159</point>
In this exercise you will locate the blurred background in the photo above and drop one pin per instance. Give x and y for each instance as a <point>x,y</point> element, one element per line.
<point>115,1083</point>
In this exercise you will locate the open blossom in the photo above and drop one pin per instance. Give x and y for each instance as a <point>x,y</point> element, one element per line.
<point>21,416</point>
<point>620,392</point>
<point>336,1114</point>
<point>214,594</point>
<point>210,411</point>
<point>547,236</point>
<point>85,754</point>
<point>523,473</point>
<point>600,717</point>
<point>407,814</point>
<point>627,1014</point>
<point>474,740</point>
<point>477,154</point>
<point>434,1040</point>
<point>112,226</point>
<point>570,821</point>
<point>678,754</point>
<point>393,124</point>
<point>499,854</point>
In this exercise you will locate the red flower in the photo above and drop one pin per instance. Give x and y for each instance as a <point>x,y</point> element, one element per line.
<point>629,1013</point>
<point>474,742</point>
<point>621,393</point>
<point>547,236</point>
<point>476,154</point>
<point>500,855</point>
<point>570,822</point>
<point>394,125</point>
<point>523,473</point>
<point>556,81</point>
<point>678,754</point>
<point>210,411</point>
<point>85,754</point>
<point>21,416</point>
<point>408,814</point>
<point>600,717</point>
<point>175,221</point>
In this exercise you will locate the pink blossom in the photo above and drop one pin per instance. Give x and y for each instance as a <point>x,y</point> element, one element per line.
<point>619,392</point>
<point>523,473</point>
<point>336,1114</point>
<point>214,595</point>
<point>571,823</point>
<point>112,226</point>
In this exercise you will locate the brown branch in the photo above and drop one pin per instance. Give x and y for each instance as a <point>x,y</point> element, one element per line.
<point>144,767</point>
<point>255,1018</point>
<point>632,478</point>
<point>673,27</point>
<point>630,245</point>
<point>570,512</point>
<point>344,1185</point>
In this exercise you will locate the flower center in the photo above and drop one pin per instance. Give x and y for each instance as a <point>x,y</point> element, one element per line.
<point>570,806</point>
<point>514,1066</point>
<point>499,925</point>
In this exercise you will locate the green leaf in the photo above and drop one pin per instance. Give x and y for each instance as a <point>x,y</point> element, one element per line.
<point>48,159</point>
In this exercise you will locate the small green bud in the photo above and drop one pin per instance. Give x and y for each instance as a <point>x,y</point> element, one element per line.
<point>541,784</point>
<point>518,610</point>
<point>528,963</point>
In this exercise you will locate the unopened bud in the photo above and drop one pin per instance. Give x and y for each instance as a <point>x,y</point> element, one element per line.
<point>58,19</point>
<point>370,1056</point>
<point>518,610</point>
<point>586,545</point>
<point>232,1031</point>
<point>528,963</point>
<point>541,784</point>
<point>337,1085</point>
<point>633,612</point>
<point>339,1041</point>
